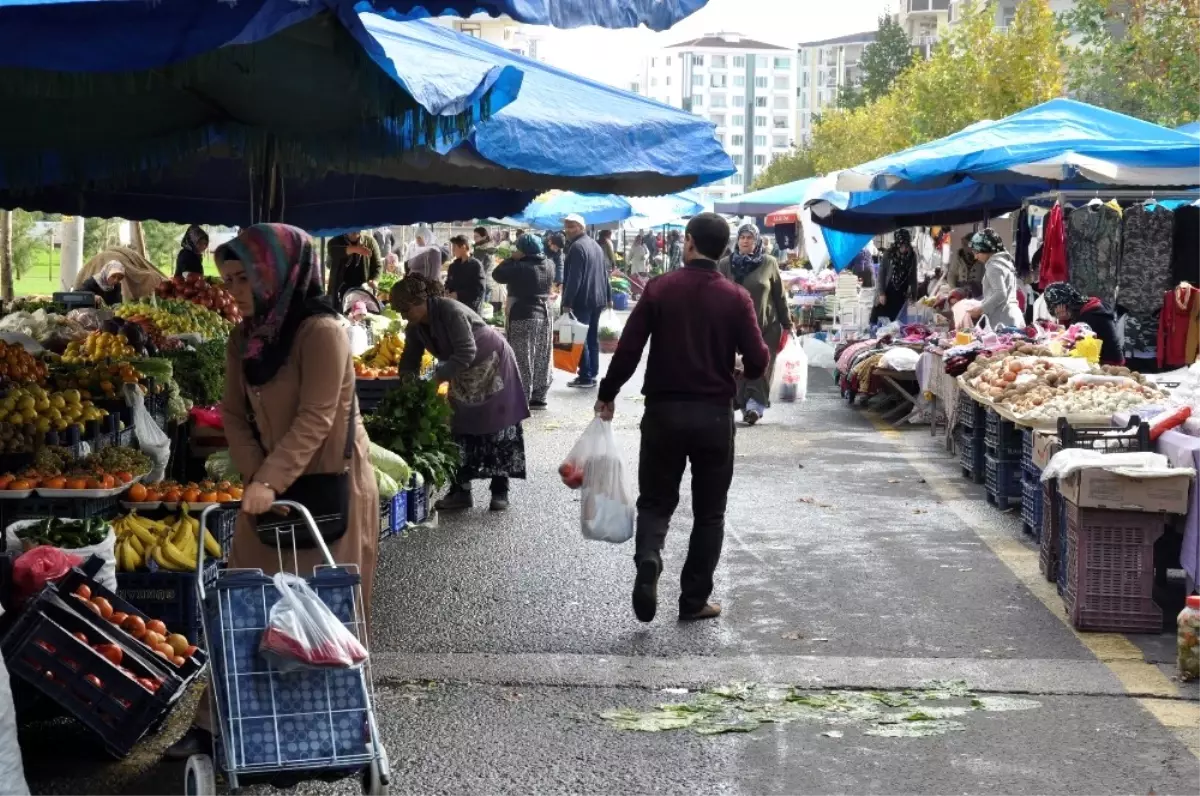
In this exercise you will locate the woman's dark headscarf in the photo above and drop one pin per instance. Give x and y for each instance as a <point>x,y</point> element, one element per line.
<point>1064,294</point>
<point>903,261</point>
<point>740,265</point>
<point>412,290</point>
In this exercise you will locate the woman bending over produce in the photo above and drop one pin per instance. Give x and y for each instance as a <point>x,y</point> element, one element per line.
<point>1070,306</point>
<point>289,394</point>
<point>486,393</point>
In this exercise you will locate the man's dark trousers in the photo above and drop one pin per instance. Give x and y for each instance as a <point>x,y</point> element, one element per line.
<point>673,434</point>
<point>589,365</point>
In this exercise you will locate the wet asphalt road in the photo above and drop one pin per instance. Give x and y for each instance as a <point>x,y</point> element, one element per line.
<point>853,559</point>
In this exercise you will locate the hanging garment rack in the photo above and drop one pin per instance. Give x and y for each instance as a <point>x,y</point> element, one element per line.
<point>1116,193</point>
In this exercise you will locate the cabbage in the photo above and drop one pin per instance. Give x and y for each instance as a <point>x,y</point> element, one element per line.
<point>390,463</point>
<point>387,486</point>
<point>219,467</point>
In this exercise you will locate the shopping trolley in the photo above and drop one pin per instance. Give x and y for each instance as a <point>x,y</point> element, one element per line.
<point>283,727</point>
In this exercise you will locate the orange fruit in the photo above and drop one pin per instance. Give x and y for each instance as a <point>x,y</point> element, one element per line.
<point>20,483</point>
<point>137,493</point>
<point>172,495</point>
<point>224,497</point>
<point>6,479</point>
<point>108,481</point>
<point>124,477</point>
<point>94,483</point>
<point>207,497</point>
<point>152,495</point>
<point>236,491</point>
<point>157,626</point>
<point>58,482</point>
<point>191,494</point>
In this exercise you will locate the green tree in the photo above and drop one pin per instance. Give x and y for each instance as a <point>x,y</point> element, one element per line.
<point>795,165</point>
<point>25,247</point>
<point>162,243</point>
<point>1138,57</point>
<point>99,234</point>
<point>883,60</point>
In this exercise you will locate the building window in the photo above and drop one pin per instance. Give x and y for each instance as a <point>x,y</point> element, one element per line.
<point>783,63</point>
<point>739,102</point>
<point>697,100</point>
<point>782,83</point>
<point>738,160</point>
<point>760,140</point>
<point>760,102</point>
<point>760,82</point>
<point>654,81</point>
<point>718,100</point>
<point>721,139</point>
<point>760,61</point>
<point>651,62</point>
<point>781,103</point>
<point>760,121</point>
<point>780,123</point>
<point>738,140</point>
<point>668,60</point>
<point>718,119</point>
<point>717,81</point>
<point>718,62</point>
<point>760,160</point>
<point>779,141</point>
<point>697,80</point>
<point>470,30</point>
<point>739,62</point>
<point>739,81</point>
<point>697,60</point>
<point>739,120</point>
<point>804,78</point>
<point>668,80</point>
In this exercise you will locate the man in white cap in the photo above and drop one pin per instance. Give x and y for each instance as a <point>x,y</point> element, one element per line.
<point>585,294</point>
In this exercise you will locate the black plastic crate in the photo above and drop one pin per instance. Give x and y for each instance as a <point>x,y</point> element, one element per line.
<point>1002,481</point>
<point>1003,437</point>
<point>970,456</point>
<point>971,414</point>
<point>1027,452</point>
<point>1061,507</point>
<point>418,502</point>
<point>169,597</point>
<point>1133,438</point>
<point>36,508</point>
<point>370,392</point>
<point>42,650</point>
<point>1031,507</point>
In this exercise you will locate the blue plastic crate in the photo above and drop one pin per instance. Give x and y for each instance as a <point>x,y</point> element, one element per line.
<point>1031,507</point>
<point>1002,481</point>
<point>970,457</point>
<point>168,596</point>
<point>1002,437</point>
<point>393,514</point>
<point>971,414</point>
<point>271,720</point>
<point>1027,453</point>
<point>418,502</point>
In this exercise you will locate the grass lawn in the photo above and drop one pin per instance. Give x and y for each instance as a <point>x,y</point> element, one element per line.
<point>42,278</point>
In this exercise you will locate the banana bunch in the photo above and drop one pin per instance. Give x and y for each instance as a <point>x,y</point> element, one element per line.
<point>384,354</point>
<point>170,545</point>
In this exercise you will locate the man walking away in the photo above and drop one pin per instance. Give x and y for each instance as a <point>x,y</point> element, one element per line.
<point>585,294</point>
<point>464,279</point>
<point>697,323</point>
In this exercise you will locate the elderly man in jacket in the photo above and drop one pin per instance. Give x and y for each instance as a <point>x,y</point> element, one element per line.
<point>585,295</point>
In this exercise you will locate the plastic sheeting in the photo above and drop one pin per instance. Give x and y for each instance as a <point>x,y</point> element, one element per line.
<point>1060,140</point>
<point>548,211</point>
<point>878,212</point>
<point>768,200</point>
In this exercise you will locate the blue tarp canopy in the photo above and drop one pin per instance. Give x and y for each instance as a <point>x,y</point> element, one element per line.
<point>1191,128</point>
<point>612,138</point>
<point>768,200</point>
<point>548,211</point>
<point>877,212</point>
<point>1062,140</point>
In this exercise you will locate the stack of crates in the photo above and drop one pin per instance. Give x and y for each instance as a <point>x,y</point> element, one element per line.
<point>1031,490</point>
<point>1003,476</point>
<point>969,436</point>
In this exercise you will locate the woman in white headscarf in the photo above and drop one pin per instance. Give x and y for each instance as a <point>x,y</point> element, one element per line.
<point>427,262</point>
<point>424,239</point>
<point>107,283</point>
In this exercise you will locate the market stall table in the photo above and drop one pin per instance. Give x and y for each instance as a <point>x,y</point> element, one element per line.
<point>898,384</point>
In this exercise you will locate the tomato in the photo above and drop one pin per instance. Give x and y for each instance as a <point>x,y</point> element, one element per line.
<point>81,637</point>
<point>70,664</point>
<point>106,609</point>
<point>111,651</point>
<point>118,617</point>
<point>94,680</point>
<point>94,607</point>
<point>191,650</point>
<point>48,647</point>
<point>49,675</point>
<point>146,683</point>
<point>134,626</point>
<point>84,591</point>
<point>156,626</point>
<point>178,660</point>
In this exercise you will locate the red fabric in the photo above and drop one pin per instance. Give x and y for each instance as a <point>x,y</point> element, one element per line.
<point>1092,303</point>
<point>211,418</point>
<point>1173,329</point>
<point>1054,250</point>
<point>699,321</point>
<point>1021,299</point>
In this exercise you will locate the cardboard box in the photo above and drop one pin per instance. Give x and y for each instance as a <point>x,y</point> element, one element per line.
<point>1102,489</point>
<point>1045,445</point>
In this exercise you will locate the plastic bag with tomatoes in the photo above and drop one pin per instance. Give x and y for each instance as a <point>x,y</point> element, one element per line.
<point>302,633</point>
<point>41,565</point>
<point>607,507</point>
<point>106,551</point>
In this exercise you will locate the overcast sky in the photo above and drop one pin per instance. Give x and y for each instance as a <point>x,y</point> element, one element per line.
<point>615,56</point>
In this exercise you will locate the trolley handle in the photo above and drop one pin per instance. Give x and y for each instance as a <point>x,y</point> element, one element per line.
<point>299,508</point>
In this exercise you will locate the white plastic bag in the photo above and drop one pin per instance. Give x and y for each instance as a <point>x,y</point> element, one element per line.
<point>569,338</point>
<point>106,550</point>
<point>820,354</point>
<point>153,441</point>
<point>607,508</point>
<point>302,633</point>
<point>12,772</point>
<point>789,383</point>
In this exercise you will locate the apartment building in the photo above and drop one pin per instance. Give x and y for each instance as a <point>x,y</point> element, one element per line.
<point>1006,11</point>
<point>823,68</point>
<point>744,86</point>
<point>500,31</point>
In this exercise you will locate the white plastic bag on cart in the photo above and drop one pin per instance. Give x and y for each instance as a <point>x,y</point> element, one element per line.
<point>789,383</point>
<point>12,772</point>
<point>153,441</point>
<point>607,508</point>
<point>302,633</point>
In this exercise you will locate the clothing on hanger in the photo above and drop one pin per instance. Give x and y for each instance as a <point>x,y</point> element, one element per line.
<point>1147,240</point>
<point>1179,327</point>
<point>1021,248</point>
<point>1094,251</point>
<point>1054,249</point>
<point>1185,254</point>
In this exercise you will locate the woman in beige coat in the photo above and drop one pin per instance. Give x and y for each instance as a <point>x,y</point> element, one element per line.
<point>290,377</point>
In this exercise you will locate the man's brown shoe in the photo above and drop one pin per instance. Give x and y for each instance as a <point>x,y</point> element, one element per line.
<point>710,611</point>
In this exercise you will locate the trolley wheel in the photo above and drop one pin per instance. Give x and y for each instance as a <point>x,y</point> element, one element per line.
<point>376,775</point>
<point>199,776</point>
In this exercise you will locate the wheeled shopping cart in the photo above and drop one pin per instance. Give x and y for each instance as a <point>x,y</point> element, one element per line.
<point>283,727</point>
